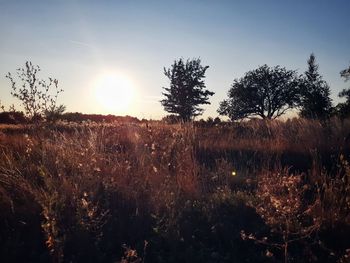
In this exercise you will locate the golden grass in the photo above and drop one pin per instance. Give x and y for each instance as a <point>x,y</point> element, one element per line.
<point>78,176</point>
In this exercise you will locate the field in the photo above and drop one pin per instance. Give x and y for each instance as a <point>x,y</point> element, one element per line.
<point>257,191</point>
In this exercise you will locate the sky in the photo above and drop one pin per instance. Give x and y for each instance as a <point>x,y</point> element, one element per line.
<point>81,43</point>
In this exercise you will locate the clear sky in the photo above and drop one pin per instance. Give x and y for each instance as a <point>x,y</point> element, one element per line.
<point>77,42</point>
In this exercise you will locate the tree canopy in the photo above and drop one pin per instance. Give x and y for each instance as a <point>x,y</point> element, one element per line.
<point>266,92</point>
<point>343,109</point>
<point>345,73</point>
<point>187,89</point>
<point>315,92</point>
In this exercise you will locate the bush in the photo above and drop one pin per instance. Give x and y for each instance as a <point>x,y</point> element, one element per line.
<point>12,117</point>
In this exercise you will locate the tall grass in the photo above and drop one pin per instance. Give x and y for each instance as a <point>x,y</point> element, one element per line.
<point>153,192</point>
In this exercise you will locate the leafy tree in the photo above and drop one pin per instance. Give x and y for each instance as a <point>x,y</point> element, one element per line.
<point>35,94</point>
<point>315,103</point>
<point>187,89</point>
<point>345,73</point>
<point>343,109</point>
<point>266,92</point>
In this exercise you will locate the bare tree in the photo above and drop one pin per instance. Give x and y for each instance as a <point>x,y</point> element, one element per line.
<point>35,94</point>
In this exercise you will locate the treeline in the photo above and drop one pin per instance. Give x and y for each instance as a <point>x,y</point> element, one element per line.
<point>15,117</point>
<point>80,117</point>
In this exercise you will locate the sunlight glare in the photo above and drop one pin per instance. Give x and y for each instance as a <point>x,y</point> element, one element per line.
<point>114,93</point>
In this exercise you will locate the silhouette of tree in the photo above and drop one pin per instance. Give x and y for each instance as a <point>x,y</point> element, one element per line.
<point>54,113</point>
<point>315,102</point>
<point>345,73</point>
<point>266,92</point>
<point>187,89</point>
<point>343,109</point>
<point>35,94</point>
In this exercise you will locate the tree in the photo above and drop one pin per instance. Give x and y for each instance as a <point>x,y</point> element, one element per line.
<point>187,89</point>
<point>266,92</point>
<point>343,109</point>
<point>315,102</point>
<point>345,73</point>
<point>35,94</point>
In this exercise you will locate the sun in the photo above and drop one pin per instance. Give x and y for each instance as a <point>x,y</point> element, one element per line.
<point>114,93</point>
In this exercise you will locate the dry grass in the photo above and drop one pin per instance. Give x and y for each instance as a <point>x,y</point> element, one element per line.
<point>296,135</point>
<point>93,187</point>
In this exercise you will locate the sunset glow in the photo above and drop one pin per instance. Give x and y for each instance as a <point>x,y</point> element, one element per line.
<point>114,93</point>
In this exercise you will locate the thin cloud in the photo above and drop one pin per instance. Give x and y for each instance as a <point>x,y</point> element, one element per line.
<point>81,43</point>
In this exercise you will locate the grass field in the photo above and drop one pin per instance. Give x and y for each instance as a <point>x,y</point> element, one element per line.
<point>152,192</point>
